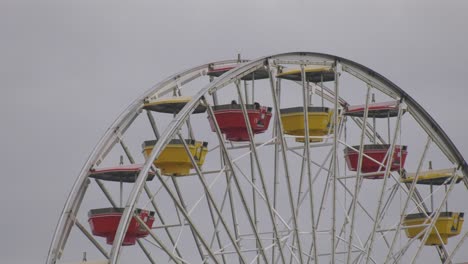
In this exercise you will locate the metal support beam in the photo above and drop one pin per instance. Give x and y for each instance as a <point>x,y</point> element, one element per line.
<point>230,165</point>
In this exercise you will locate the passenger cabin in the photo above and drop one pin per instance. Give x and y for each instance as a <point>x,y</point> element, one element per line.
<point>375,156</point>
<point>121,173</point>
<point>174,160</point>
<point>105,221</point>
<point>171,105</point>
<point>374,159</point>
<point>260,73</point>
<point>448,224</point>
<point>433,177</point>
<point>231,120</point>
<point>314,74</point>
<point>319,118</point>
<point>375,110</point>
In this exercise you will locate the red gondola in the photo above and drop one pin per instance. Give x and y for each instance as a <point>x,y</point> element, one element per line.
<point>231,120</point>
<point>378,153</point>
<point>105,221</point>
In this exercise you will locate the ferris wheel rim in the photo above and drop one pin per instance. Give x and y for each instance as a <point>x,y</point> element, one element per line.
<point>132,111</point>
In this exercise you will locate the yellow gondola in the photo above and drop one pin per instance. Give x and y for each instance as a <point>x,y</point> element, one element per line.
<point>173,160</point>
<point>448,224</point>
<point>315,74</point>
<point>433,177</point>
<point>320,122</point>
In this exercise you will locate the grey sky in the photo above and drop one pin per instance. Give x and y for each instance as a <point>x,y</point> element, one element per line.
<point>68,68</point>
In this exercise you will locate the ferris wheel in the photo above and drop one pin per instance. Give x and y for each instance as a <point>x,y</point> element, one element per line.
<point>290,158</point>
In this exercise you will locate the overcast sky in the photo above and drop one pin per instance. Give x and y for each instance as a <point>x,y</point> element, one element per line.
<point>68,68</point>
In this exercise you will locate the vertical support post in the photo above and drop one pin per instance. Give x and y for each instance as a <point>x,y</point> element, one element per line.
<point>321,88</point>
<point>246,92</point>
<point>211,200</point>
<point>253,87</point>
<point>386,175</point>
<point>282,141</point>
<point>161,219</point>
<point>92,239</point>
<point>358,175</point>
<point>147,189</point>
<point>234,176</point>
<point>232,206</point>
<point>153,124</point>
<point>214,95</point>
<point>252,166</point>
<point>388,126</point>
<point>374,124</point>
<point>277,93</point>
<point>335,157</point>
<point>121,184</point>
<point>446,203</point>
<point>305,102</point>
<point>238,81</point>
<point>410,194</point>
<point>457,247</point>
<point>432,197</point>
<point>183,208</point>
<point>260,171</point>
<point>188,123</point>
<point>160,243</point>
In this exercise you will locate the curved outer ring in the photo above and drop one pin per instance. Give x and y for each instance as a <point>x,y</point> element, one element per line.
<point>125,119</point>
<point>105,144</point>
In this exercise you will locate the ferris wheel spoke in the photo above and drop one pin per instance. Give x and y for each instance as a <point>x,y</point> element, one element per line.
<point>325,192</point>
<point>337,69</point>
<point>211,200</point>
<point>405,247</point>
<point>158,241</point>
<point>162,220</point>
<point>276,96</point>
<point>91,238</point>
<point>146,188</point>
<point>279,131</point>
<point>112,202</point>
<point>228,194</point>
<point>151,196</point>
<point>456,248</point>
<point>305,102</point>
<point>260,172</point>
<point>230,165</point>
<point>223,203</point>
<point>386,176</point>
<point>410,194</point>
<point>358,180</point>
<point>433,219</point>
<point>317,174</point>
<point>106,192</point>
<point>180,203</point>
<point>370,131</point>
<point>153,124</point>
<point>231,204</point>
<point>262,196</point>
<point>295,214</point>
